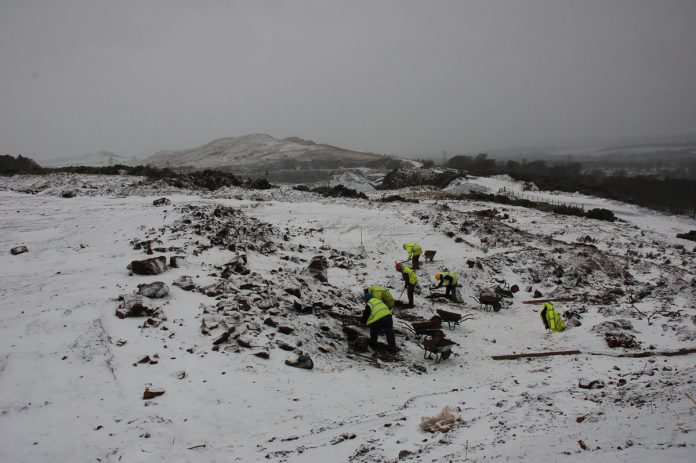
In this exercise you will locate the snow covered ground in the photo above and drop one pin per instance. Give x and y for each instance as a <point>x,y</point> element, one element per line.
<point>72,387</point>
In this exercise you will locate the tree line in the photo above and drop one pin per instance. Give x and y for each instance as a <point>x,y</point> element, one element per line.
<point>675,195</point>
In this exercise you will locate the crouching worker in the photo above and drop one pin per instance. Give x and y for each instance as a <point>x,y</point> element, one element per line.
<point>551,319</point>
<point>449,280</point>
<point>381,293</point>
<point>379,318</point>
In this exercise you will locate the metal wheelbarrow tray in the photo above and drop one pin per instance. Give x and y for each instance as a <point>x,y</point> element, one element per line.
<point>453,318</point>
<point>490,299</point>
<point>437,345</point>
<point>425,328</point>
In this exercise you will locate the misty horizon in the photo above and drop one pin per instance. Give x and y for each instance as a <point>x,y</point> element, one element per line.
<point>397,78</point>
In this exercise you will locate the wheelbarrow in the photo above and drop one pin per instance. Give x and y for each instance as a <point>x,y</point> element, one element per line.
<point>425,328</point>
<point>505,290</point>
<point>437,345</point>
<point>489,299</point>
<point>452,318</point>
<point>429,255</point>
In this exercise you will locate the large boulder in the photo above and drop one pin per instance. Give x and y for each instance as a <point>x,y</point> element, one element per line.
<point>155,290</point>
<point>152,266</point>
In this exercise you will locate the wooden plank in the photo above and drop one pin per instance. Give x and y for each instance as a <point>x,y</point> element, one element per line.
<point>535,354</point>
<point>649,353</point>
<point>541,301</point>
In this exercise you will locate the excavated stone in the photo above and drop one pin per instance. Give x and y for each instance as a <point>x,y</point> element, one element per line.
<point>264,354</point>
<point>18,250</point>
<point>301,361</point>
<point>286,329</point>
<point>152,393</point>
<point>133,305</point>
<point>184,282</point>
<point>318,268</point>
<point>238,265</point>
<point>284,345</point>
<point>155,290</point>
<point>152,266</point>
<point>161,202</point>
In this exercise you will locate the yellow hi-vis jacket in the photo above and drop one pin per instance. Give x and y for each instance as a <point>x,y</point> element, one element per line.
<point>551,319</point>
<point>378,309</point>
<point>383,294</point>
<point>413,249</point>
<point>453,278</point>
<point>409,275</point>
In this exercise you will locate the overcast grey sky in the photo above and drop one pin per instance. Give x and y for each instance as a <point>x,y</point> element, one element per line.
<point>137,76</point>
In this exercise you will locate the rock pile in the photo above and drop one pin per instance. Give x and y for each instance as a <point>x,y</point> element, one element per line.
<point>295,309</point>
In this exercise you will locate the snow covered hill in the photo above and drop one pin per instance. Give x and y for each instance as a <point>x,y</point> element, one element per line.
<point>260,152</point>
<point>256,277</point>
<point>99,159</point>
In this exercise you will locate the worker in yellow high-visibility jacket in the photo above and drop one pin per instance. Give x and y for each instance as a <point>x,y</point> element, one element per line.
<point>410,281</point>
<point>449,280</point>
<point>414,252</point>
<point>550,318</point>
<point>381,293</point>
<point>379,318</point>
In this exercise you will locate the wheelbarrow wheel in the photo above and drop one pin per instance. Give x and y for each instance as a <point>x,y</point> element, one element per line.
<point>497,306</point>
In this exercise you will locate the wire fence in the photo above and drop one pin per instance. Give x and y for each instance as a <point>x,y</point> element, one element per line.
<point>512,194</point>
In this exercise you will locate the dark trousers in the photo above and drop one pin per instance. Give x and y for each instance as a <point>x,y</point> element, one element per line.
<point>383,325</point>
<point>409,293</point>
<point>415,262</point>
<point>450,293</point>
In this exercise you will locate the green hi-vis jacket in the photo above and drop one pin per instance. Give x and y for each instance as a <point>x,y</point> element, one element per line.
<point>378,309</point>
<point>409,275</point>
<point>449,278</point>
<point>551,319</point>
<point>413,249</point>
<point>383,294</point>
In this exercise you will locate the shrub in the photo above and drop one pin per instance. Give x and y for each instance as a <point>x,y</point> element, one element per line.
<point>338,191</point>
<point>259,184</point>
<point>569,210</point>
<point>399,198</point>
<point>601,214</point>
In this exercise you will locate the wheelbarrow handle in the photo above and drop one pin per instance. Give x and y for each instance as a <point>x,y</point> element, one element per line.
<point>408,327</point>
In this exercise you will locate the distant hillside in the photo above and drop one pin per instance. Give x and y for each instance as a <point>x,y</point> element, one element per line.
<point>99,159</point>
<point>260,152</point>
